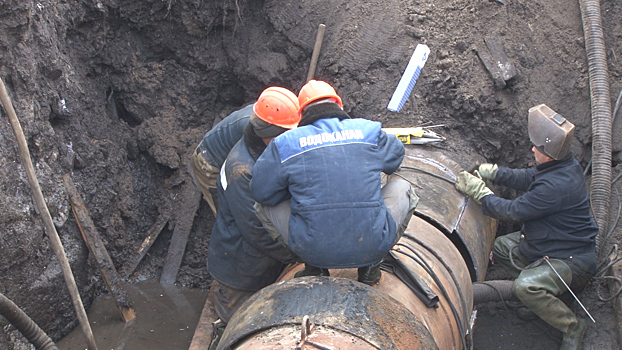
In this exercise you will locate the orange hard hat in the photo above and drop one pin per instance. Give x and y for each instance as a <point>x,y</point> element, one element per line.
<point>278,106</point>
<point>315,90</point>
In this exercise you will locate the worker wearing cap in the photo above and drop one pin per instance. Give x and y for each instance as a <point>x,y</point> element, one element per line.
<point>213,150</point>
<point>241,255</point>
<point>557,227</point>
<point>330,167</point>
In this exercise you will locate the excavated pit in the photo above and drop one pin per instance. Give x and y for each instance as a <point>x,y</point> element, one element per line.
<point>118,93</point>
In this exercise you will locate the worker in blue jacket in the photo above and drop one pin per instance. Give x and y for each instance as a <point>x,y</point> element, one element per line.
<point>214,148</point>
<point>555,249</point>
<point>241,255</point>
<point>330,167</point>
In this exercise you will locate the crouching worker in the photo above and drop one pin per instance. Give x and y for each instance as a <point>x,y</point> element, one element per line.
<point>214,148</point>
<point>242,256</point>
<point>318,188</point>
<point>555,249</point>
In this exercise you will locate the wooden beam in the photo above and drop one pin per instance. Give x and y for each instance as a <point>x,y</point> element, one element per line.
<point>152,235</point>
<point>185,207</point>
<point>98,250</point>
<point>203,332</point>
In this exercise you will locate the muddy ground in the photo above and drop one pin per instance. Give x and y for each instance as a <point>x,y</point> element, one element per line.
<point>118,93</point>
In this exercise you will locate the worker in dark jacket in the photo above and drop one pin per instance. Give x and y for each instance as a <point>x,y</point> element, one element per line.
<point>330,166</point>
<point>557,239</point>
<point>241,255</point>
<point>214,148</point>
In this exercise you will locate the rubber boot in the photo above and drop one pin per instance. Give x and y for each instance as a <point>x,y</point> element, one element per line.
<point>218,328</point>
<point>539,288</point>
<point>312,271</point>
<point>573,339</point>
<point>370,275</point>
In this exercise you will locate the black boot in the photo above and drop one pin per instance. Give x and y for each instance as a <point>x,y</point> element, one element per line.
<point>312,271</point>
<point>370,274</point>
<point>573,339</point>
<point>218,328</point>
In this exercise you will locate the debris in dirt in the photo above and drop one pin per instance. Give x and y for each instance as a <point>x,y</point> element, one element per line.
<point>409,78</point>
<point>496,61</point>
<point>498,54</point>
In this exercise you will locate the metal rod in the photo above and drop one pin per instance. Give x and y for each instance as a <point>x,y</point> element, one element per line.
<point>546,258</point>
<point>57,246</point>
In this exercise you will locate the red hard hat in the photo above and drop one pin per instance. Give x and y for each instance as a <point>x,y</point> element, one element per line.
<point>315,90</point>
<point>278,106</point>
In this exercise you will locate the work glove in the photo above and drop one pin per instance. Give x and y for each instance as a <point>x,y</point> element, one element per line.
<point>472,186</point>
<point>487,171</point>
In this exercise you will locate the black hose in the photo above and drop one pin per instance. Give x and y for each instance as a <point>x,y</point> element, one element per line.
<point>601,114</point>
<point>421,262</point>
<point>35,335</point>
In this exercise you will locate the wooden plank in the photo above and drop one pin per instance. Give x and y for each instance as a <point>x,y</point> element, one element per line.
<point>152,235</point>
<point>185,207</point>
<point>98,250</point>
<point>203,332</point>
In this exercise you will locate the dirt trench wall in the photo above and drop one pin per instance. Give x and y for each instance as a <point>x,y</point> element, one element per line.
<point>119,92</point>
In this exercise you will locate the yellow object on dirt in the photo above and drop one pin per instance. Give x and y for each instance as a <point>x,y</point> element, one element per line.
<point>414,136</point>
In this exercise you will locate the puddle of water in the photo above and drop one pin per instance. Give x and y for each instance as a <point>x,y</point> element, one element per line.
<point>166,317</point>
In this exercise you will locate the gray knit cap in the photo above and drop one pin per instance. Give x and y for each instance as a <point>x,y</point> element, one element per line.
<point>264,129</point>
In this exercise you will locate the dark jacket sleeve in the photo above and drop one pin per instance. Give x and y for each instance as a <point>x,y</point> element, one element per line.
<point>518,179</point>
<point>250,227</point>
<point>534,204</point>
<point>393,150</point>
<point>269,185</point>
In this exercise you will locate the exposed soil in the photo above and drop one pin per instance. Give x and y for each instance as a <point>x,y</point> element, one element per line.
<point>119,92</point>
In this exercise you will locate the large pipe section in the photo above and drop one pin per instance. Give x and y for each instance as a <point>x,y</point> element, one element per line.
<point>443,251</point>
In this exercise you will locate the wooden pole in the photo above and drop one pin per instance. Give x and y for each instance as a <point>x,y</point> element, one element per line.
<point>47,218</point>
<point>316,51</point>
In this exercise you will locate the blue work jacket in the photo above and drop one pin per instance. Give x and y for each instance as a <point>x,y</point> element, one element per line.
<point>332,171</point>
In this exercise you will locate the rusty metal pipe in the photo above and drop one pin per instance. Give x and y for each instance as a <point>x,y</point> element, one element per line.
<point>446,246</point>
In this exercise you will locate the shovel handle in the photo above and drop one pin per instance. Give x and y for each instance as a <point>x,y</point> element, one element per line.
<point>316,51</point>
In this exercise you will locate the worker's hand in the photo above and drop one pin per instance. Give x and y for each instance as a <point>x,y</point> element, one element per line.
<point>487,171</point>
<point>472,186</point>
